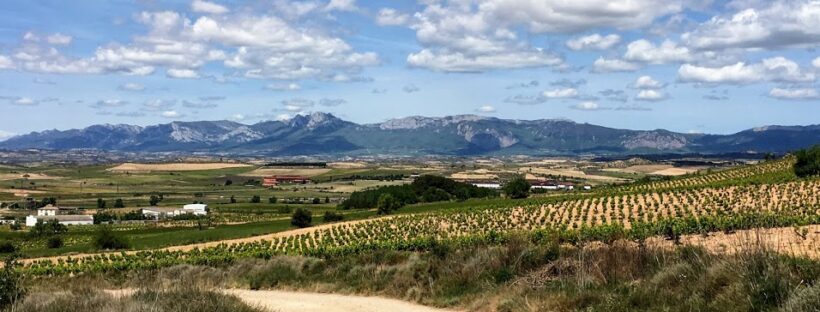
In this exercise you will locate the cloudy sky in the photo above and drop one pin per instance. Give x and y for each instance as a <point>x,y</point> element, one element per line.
<point>689,66</point>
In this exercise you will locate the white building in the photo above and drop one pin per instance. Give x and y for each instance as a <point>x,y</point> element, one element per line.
<point>48,210</point>
<point>197,209</point>
<point>161,212</point>
<point>62,219</point>
<point>494,186</point>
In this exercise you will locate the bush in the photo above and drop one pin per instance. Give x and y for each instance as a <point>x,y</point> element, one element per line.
<point>118,203</point>
<point>256,199</point>
<point>517,188</point>
<point>434,194</point>
<point>301,218</point>
<point>7,247</point>
<point>331,216</point>
<point>54,242</point>
<point>52,227</point>
<point>272,200</point>
<point>284,209</point>
<point>808,162</point>
<point>105,238</point>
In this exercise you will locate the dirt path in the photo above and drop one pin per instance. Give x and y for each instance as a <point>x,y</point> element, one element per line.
<point>286,301</point>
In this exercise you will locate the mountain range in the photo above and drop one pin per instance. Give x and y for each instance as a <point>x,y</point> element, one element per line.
<point>325,134</point>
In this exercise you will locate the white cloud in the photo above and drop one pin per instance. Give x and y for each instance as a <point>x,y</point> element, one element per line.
<point>459,62</point>
<point>109,103</point>
<point>777,69</point>
<point>172,114</point>
<point>283,86</point>
<point>332,102</point>
<point>25,101</point>
<point>667,52</point>
<point>521,99</point>
<point>130,86</point>
<point>237,117</point>
<point>586,106</point>
<point>297,104</point>
<point>158,105</point>
<point>650,95</point>
<point>647,82</point>
<point>6,62</point>
<point>391,17</point>
<point>5,135</point>
<point>603,65</point>
<point>594,42</point>
<point>208,7</point>
<point>486,109</point>
<point>561,93</point>
<point>182,73</point>
<point>59,39</point>
<point>341,5</point>
<point>767,24</point>
<point>816,62</point>
<point>794,94</point>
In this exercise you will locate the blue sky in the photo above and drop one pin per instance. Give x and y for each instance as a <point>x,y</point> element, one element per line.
<point>688,66</point>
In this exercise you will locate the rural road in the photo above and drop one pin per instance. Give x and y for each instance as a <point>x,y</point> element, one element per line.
<point>286,301</point>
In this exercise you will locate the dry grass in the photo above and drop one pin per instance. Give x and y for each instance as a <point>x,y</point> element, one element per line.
<point>25,175</point>
<point>133,167</point>
<point>347,165</point>
<point>573,173</point>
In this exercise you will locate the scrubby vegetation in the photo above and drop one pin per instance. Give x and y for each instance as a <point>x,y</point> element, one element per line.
<point>808,162</point>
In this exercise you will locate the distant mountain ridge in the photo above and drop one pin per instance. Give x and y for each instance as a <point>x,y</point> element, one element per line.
<point>325,134</point>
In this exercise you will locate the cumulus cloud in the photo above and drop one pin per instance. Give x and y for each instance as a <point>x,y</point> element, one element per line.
<point>411,88</point>
<point>283,86</point>
<point>794,94</point>
<point>391,17</point>
<point>25,101</point>
<point>594,42</point>
<point>567,83</point>
<point>650,95</point>
<point>332,102</point>
<point>667,52</point>
<point>565,93</point>
<point>777,69</point>
<point>244,43</point>
<point>130,86</point>
<point>486,109</point>
<point>172,114</point>
<point>6,62</point>
<point>341,5</point>
<point>766,24</point>
<point>587,106</point>
<point>816,62</point>
<point>109,103</point>
<point>208,7</point>
<point>59,39</point>
<point>614,95</point>
<point>647,82</point>
<point>182,73</point>
<point>199,105</point>
<point>158,105</point>
<point>602,65</point>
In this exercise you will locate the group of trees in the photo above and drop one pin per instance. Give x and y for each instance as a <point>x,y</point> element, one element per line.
<point>808,162</point>
<point>426,188</point>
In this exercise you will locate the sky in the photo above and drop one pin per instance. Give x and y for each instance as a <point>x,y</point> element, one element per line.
<point>689,66</point>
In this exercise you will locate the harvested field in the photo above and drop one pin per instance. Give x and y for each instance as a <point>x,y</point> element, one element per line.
<point>347,165</point>
<point>264,172</point>
<point>24,175</point>
<point>480,174</point>
<point>665,170</point>
<point>174,167</point>
<point>572,173</point>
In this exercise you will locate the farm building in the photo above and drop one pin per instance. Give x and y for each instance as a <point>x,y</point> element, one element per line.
<point>48,210</point>
<point>489,185</point>
<point>284,179</point>
<point>62,219</point>
<point>165,212</point>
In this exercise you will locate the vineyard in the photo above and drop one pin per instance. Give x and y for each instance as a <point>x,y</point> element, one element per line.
<point>636,215</point>
<point>767,172</point>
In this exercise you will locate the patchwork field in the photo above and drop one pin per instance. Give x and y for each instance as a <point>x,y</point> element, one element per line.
<point>264,172</point>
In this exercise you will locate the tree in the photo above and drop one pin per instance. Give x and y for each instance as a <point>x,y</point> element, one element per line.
<point>256,199</point>
<point>228,182</point>
<point>154,200</point>
<point>52,227</point>
<point>517,188</point>
<point>118,203</point>
<point>317,201</point>
<point>387,204</point>
<point>54,242</point>
<point>808,162</point>
<point>301,218</point>
<point>105,238</point>
<point>100,203</point>
<point>233,199</point>
<point>11,283</point>
<point>434,194</point>
<point>327,200</point>
<point>272,200</point>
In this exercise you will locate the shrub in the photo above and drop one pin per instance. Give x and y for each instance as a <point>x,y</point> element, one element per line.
<point>284,209</point>
<point>331,216</point>
<point>517,188</point>
<point>54,242</point>
<point>105,238</point>
<point>272,200</point>
<point>118,203</point>
<point>256,199</point>
<point>301,218</point>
